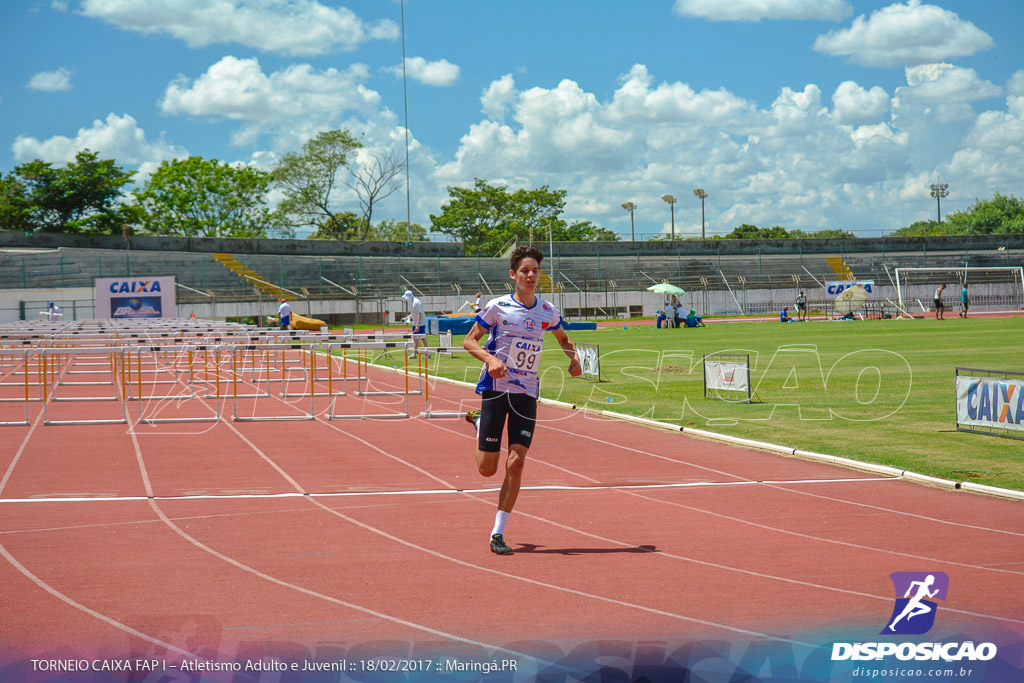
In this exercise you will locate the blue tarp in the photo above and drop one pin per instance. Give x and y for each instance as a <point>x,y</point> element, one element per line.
<point>460,325</point>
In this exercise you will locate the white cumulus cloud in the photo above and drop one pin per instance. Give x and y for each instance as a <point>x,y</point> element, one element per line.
<point>440,73</point>
<point>498,96</point>
<point>756,10</point>
<point>292,27</point>
<point>854,163</point>
<point>905,34</point>
<point>50,81</point>
<point>289,102</point>
<point>854,105</point>
<point>117,137</point>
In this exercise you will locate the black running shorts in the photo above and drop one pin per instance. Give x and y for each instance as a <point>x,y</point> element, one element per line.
<point>519,411</point>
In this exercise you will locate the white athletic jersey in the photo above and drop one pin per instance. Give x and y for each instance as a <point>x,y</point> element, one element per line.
<point>285,309</point>
<point>416,316</point>
<point>516,339</point>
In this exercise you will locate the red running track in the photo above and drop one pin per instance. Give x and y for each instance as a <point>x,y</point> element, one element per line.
<point>290,538</point>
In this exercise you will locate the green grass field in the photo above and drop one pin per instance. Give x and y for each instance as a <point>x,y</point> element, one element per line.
<point>875,391</point>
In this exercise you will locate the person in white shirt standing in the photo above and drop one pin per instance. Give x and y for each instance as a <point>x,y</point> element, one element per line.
<point>54,312</point>
<point>284,311</point>
<point>416,318</point>
<point>509,381</point>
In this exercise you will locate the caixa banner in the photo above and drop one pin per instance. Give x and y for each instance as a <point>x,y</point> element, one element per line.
<point>990,401</point>
<point>139,297</point>
<point>835,287</point>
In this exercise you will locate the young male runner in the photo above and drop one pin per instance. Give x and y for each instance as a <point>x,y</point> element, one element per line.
<point>509,382</point>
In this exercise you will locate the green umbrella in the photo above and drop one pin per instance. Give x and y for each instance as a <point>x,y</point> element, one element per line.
<point>667,289</point>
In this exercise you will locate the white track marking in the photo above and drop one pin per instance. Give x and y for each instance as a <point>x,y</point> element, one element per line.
<point>91,612</point>
<point>21,449</point>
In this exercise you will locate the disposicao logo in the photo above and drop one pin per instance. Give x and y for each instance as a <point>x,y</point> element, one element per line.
<point>914,612</point>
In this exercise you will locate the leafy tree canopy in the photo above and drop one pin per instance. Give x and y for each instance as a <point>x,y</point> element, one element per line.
<point>310,178</point>
<point>999,215</point>
<point>486,218</point>
<point>348,226</point>
<point>83,196</point>
<point>752,232</point>
<point>197,197</point>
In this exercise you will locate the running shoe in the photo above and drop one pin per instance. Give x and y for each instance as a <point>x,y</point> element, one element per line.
<point>472,416</point>
<point>498,546</point>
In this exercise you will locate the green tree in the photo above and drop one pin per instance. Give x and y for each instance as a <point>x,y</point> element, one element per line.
<point>487,217</point>
<point>827,234</point>
<point>309,178</point>
<point>197,197</point>
<point>923,229</point>
<point>343,225</point>
<point>1001,214</point>
<point>15,208</point>
<point>584,231</point>
<point>83,196</point>
<point>391,230</point>
<point>752,232</point>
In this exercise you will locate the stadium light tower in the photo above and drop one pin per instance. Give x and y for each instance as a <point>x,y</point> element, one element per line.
<point>672,204</point>
<point>631,207</point>
<point>939,190</point>
<point>703,195</point>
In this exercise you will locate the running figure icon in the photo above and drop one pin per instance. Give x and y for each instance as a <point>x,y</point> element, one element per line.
<point>915,607</point>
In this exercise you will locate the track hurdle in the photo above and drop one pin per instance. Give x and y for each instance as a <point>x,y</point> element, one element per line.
<point>436,351</point>
<point>135,380</point>
<point>234,351</point>
<point>48,356</point>
<point>14,354</point>
<point>312,353</point>
<point>385,346</point>
<point>367,346</point>
<point>23,370</point>
<point>231,368</point>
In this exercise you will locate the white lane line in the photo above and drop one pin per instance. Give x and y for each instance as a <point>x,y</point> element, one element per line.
<point>285,584</point>
<point>21,449</point>
<point>424,492</point>
<point>91,612</point>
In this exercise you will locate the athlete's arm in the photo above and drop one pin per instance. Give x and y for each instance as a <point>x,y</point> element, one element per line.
<point>471,343</point>
<point>570,350</point>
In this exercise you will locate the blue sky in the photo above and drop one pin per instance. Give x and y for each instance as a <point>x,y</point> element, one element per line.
<point>808,114</point>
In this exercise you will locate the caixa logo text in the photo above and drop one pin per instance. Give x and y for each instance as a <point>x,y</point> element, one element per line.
<point>134,286</point>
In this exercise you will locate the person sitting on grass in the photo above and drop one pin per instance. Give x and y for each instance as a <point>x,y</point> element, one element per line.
<point>660,319</point>
<point>694,320</point>
<point>784,317</point>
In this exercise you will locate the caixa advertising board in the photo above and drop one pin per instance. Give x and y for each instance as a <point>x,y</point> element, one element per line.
<point>135,297</point>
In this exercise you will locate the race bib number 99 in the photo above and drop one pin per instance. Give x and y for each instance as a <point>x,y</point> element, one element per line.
<point>524,355</point>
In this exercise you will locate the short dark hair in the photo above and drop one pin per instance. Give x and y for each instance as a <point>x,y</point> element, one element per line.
<point>524,251</point>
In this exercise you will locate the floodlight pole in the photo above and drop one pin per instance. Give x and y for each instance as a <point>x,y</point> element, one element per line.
<point>672,204</point>
<point>631,207</point>
<point>703,195</point>
<point>939,190</point>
